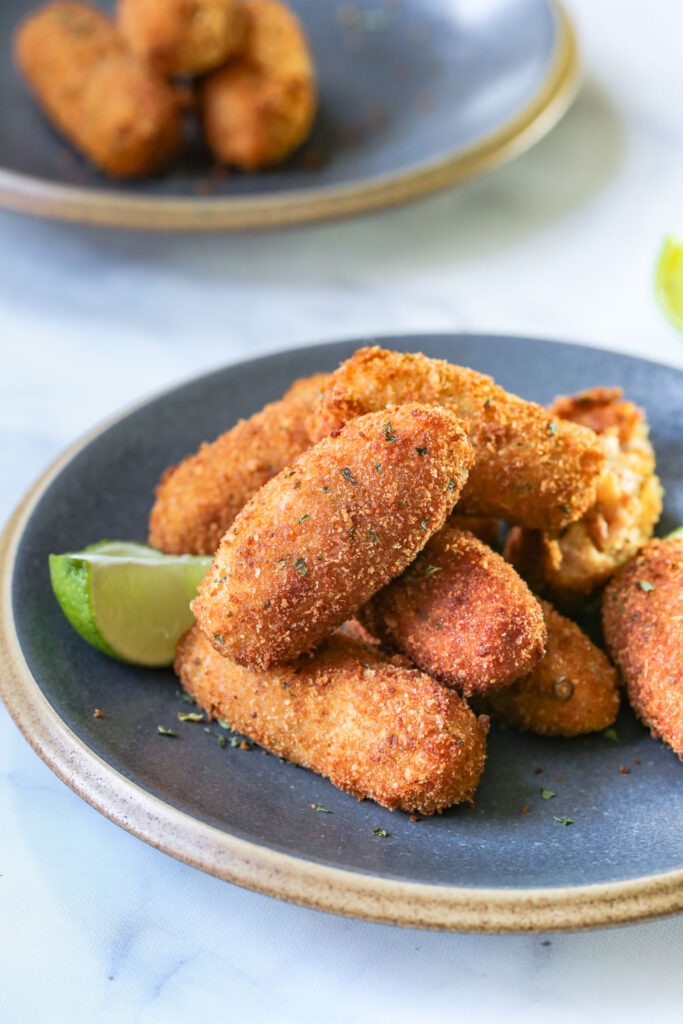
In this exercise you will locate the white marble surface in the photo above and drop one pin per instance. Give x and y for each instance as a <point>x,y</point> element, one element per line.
<point>95,925</point>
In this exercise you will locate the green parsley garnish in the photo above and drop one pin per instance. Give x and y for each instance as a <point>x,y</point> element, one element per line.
<point>348,475</point>
<point>323,810</point>
<point>378,468</point>
<point>304,518</point>
<point>424,524</point>
<point>566,509</point>
<point>380,832</point>
<point>564,821</point>
<point>374,535</point>
<point>389,434</point>
<point>185,696</point>
<point>422,451</point>
<point>224,725</point>
<point>300,566</point>
<point>552,427</point>
<point>644,585</point>
<point>451,484</point>
<point>325,489</point>
<point>487,402</point>
<point>222,742</point>
<point>162,731</point>
<point>611,734</point>
<point>547,794</point>
<point>191,716</point>
<point>676,618</point>
<point>430,570</point>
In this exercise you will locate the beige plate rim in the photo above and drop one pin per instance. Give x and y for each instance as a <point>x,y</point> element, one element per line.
<point>36,196</point>
<point>247,864</point>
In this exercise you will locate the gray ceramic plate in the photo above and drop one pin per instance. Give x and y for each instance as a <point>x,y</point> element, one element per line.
<point>248,818</point>
<point>414,95</point>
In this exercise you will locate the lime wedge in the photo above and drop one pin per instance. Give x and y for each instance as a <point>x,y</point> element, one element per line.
<point>128,600</point>
<point>669,280</point>
<point>676,534</point>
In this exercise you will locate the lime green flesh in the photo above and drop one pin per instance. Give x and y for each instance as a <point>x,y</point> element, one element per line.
<point>675,534</point>
<point>128,600</point>
<point>669,280</point>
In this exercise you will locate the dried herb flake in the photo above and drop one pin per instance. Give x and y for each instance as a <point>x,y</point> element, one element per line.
<point>163,731</point>
<point>348,475</point>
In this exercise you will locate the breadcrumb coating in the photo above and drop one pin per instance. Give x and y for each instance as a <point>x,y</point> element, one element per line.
<point>376,729</point>
<point>575,561</point>
<point>260,107</point>
<point>197,500</point>
<point>462,614</point>
<point>530,467</point>
<point>642,615</point>
<point>571,691</point>
<point>106,101</point>
<point>487,530</point>
<point>317,541</point>
<point>183,37</point>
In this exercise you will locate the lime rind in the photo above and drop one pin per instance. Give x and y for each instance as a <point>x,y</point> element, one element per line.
<point>70,578</point>
<point>669,280</point>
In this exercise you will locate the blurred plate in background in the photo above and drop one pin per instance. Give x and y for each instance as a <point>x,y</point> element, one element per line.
<point>414,95</point>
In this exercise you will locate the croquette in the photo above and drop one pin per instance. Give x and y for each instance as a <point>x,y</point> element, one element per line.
<point>530,467</point>
<point>106,101</point>
<point>197,500</point>
<point>376,729</point>
<point>486,529</point>
<point>317,541</point>
<point>642,614</point>
<point>575,561</point>
<point>183,37</point>
<point>572,690</point>
<point>461,614</point>
<point>260,107</point>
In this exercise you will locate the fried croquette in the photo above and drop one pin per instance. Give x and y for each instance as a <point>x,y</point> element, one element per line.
<point>642,616</point>
<point>487,530</point>
<point>376,729</point>
<point>259,108</point>
<point>530,467</point>
<point>462,614</point>
<point>583,556</point>
<point>183,37</point>
<point>197,500</point>
<point>572,690</point>
<point>107,102</point>
<point>317,541</point>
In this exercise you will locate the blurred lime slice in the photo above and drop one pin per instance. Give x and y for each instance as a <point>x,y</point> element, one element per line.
<point>128,600</point>
<point>669,280</point>
<point>676,534</point>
